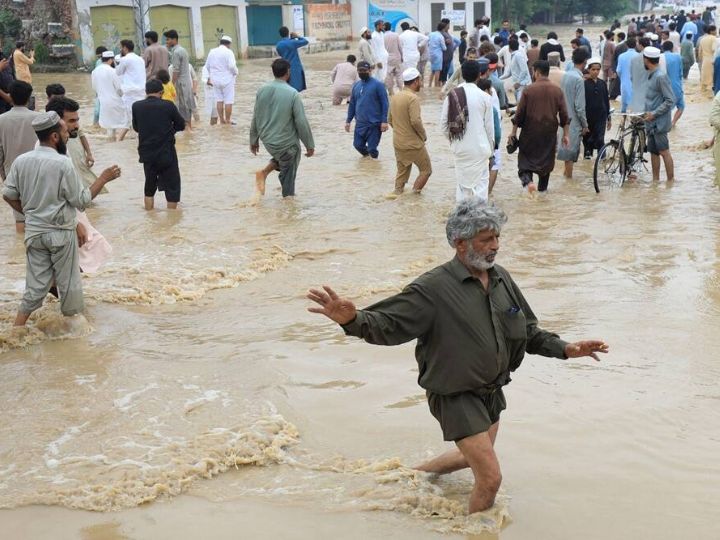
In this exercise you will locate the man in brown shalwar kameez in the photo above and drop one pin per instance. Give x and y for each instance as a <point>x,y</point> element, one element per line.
<point>539,114</point>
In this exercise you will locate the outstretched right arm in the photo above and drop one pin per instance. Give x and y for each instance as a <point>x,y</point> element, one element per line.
<point>395,320</point>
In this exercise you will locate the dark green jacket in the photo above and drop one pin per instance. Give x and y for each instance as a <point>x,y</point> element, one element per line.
<point>467,338</point>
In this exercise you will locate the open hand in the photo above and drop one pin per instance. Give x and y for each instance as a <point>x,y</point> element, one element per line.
<point>566,141</point>
<point>347,127</point>
<point>340,310</point>
<point>254,148</point>
<point>586,348</point>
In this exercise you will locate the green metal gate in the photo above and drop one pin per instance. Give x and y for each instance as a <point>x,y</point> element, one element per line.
<point>263,24</point>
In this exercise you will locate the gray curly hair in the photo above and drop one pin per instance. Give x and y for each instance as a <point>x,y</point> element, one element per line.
<point>470,217</point>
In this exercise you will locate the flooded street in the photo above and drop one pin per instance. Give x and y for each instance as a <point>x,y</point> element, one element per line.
<point>201,385</point>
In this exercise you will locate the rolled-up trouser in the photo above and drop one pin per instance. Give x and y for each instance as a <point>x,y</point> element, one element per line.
<point>287,161</point>
<point>340,93</point>
<point>526,177</point>
<point>225,92</point>
<point>53,255</point>
<point>163,175</point>
<point>394,74</point>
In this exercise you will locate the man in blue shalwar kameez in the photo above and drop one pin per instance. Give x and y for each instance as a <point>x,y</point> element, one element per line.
<point>674,71</point>
<point>369,107</point>
<point>287,48</point>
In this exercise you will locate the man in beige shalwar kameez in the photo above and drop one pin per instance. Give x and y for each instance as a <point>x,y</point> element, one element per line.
<point>706,47</point>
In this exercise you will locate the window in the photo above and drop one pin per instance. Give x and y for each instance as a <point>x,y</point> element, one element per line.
<point>459,6</point>
<point>436,9</point>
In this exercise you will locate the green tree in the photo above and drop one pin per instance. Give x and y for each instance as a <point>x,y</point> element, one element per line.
<point>10,24</point>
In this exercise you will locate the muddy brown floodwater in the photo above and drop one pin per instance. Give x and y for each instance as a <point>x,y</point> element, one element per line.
<point>200,399</point>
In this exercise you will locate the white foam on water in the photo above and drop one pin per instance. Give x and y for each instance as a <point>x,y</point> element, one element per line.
<point>124,403</point>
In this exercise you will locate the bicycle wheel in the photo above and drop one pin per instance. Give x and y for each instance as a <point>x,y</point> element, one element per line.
<point>609,170</point>
<point>634,159</point>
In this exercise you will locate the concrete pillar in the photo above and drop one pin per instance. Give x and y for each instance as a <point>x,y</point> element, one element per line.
<point>358,17</point>
<point>424,17</point>
<point>196,30</point>
<point>242,25</point>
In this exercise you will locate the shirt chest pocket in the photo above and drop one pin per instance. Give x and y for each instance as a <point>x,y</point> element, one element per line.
<point>514,323</point>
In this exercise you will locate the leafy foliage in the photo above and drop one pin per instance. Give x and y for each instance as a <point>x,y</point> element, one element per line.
<point>10,24</point>
<point>42,53</point>
<point>556,11</point>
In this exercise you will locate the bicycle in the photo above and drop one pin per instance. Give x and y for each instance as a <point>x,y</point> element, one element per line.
<point>621,156</point>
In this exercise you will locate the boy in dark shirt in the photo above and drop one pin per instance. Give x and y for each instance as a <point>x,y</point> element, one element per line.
<point>597,108</point>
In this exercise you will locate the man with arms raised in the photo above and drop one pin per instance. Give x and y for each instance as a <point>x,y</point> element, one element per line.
<point>473,327</point>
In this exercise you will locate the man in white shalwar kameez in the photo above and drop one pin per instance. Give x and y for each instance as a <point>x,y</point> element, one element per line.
<point>107,86</point>
<point>377,42</point>
<point>410,43</point>
<point>473,149</point>
<point>131,70</point>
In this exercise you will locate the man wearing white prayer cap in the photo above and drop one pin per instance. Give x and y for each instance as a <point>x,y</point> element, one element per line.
<point>659,103</point>
<point>365,49</point>
<point>44,186</point>
<point>222,72</point>
<point>108,87</point>
<point>409,134</point>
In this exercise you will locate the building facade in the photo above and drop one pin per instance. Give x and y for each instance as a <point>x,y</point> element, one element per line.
<point>253,23</point>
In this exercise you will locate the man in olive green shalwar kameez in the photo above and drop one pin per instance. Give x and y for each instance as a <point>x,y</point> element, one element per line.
<point>43,185</point>
<point>279,122</point>
<point>473,326</point>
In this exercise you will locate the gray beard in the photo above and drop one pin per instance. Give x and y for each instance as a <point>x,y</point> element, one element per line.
<point>478,261</point>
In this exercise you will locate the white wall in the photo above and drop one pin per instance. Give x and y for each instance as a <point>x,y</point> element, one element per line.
<point>425,18</point>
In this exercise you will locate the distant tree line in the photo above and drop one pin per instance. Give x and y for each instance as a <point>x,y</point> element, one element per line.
<point>559,11</point>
